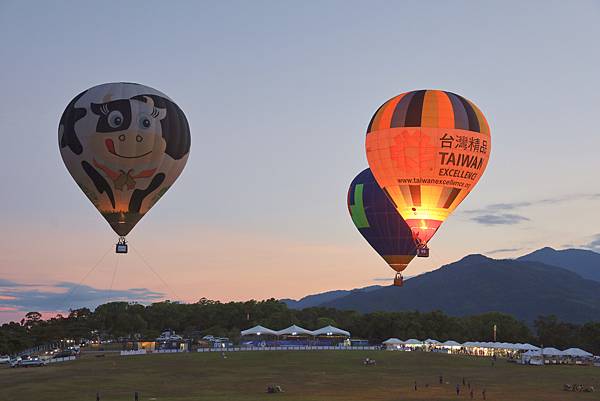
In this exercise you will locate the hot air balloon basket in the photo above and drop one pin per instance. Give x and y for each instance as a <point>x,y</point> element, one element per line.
<point>121,246</point>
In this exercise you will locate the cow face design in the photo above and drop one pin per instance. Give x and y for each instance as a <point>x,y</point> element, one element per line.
<point>128,129</point>
<point>125,145</point>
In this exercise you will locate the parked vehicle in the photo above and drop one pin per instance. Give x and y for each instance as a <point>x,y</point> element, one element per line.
<point>64,354</point>
<point>32,361</point>
<point>14,362</point>
<point>27,361</point>
<point>4,359</point>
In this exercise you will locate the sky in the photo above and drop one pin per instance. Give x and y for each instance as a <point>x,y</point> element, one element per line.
<point>278,95</point>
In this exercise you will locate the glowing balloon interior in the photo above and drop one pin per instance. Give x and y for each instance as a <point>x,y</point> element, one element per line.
<point>124,144</point>
<point>427,150</point>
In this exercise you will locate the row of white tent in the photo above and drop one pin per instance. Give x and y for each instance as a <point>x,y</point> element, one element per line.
<point>571,352</point>
<point>454,344</point>
<point>294,330</point>
<point>528,349</point>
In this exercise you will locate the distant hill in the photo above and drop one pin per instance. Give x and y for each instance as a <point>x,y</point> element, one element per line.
<point>318,299</point>
<point>477,284</point>
<point>581,261</point>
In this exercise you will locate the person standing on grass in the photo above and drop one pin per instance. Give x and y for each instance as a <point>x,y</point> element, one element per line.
<point>483,393</point>
<point>471,393</point>
<point>415,385</point>
<point>441,379</point>
<point>457,389</point>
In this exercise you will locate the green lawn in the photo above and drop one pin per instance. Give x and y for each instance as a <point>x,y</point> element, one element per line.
<point>304,375</point>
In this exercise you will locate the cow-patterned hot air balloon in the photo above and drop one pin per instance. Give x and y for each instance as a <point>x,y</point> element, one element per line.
<point>380,223</point>
<point>125,144</point>
<point>427,150</point>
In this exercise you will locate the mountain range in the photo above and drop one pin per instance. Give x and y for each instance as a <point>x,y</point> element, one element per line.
<point>584,262</point>
<point>565,283</point>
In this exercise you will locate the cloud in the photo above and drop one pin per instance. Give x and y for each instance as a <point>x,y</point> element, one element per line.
<point>506,213</point>
<point>499,219</point>
<point>25,297</point>
<point>502,250</point>
<point>8,283</point>
<point>594,244</point>
<point>498,207</point>
<point>511,206</point>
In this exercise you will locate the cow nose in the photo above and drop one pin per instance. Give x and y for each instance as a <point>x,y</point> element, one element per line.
<point>139,138</point>
<point>122,137</point>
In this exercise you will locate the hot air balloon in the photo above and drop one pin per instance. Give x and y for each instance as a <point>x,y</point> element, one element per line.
<point>380,224</point>
<point>427,149</point>
<point>124,144</point>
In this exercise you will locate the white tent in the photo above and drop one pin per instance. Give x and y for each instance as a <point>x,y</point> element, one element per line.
<point>451,344</point>
<point>413,341</point>
<point>393,341</point>
<point>432,342</point>
<point>331,331</point>
<point>577,352</point>
<point>532,357</point>
<point>529,347</point>
<point>552,352</point>
<point>258,331</point>
<point>294,330</point>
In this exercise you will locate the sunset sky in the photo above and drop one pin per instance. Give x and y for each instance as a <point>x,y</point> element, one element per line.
<point>278,95</point>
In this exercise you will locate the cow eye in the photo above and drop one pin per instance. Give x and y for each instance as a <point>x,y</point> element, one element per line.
<point>115,119</point>
<point>145,122</point>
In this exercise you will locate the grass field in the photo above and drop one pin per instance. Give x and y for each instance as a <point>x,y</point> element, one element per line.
<point>304,375</point>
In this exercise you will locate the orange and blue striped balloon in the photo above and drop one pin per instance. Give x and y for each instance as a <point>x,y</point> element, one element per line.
<point>427,150</point>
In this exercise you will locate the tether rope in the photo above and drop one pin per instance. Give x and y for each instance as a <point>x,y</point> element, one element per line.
<point>112,281</point>
<point>70,293</point>
<point>155,272</point>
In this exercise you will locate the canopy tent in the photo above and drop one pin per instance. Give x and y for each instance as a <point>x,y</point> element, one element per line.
<point>532,357</point>
<point>430,341</point>
<point>451,344</point>
<point>294,330</point>
<point>331,331</point>
<point>551,352</point>
<point>500,346</point>
<point>393,341</point>
<point>413,341</point>
<point>577,352</point>
<point>258,331</point>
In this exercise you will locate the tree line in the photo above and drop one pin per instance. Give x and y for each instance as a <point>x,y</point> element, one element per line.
<point>122,320</point>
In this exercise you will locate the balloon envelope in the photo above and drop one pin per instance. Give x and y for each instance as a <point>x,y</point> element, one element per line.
<point>124,144</point>
<point>427,149</point>
<point>379,222</point>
